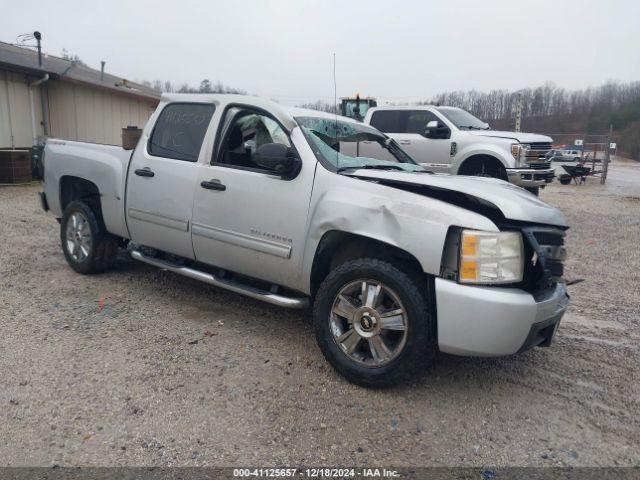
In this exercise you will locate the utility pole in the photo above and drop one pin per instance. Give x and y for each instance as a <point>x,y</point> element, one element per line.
<point>518,111</point>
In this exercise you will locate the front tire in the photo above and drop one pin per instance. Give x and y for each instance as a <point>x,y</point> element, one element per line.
<point>87,246</point>
<point>373,323</point>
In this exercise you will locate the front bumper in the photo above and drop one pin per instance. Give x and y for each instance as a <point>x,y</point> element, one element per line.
<point>494,321</point>
<point>530,177</point>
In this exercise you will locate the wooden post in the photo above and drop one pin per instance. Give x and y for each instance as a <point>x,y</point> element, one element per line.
<point>607,155</point>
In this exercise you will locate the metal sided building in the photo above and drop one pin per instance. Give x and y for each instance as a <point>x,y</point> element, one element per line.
<point>57,97</point>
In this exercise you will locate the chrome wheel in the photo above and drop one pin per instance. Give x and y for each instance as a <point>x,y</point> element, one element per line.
<point>368,322</point>
<point>78,237</point>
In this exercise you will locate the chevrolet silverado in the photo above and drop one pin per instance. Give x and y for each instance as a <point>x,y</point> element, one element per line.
<point>282,205</point>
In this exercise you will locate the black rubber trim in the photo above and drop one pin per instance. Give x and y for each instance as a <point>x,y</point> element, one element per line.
<point>541,333</point>
<point>43,201</point>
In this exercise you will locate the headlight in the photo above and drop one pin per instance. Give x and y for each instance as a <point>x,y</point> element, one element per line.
<point>519,152</point>
<point>515,150</point>
<point>490,257</point>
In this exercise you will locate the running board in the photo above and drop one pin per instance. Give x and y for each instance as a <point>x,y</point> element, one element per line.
<point>265,296</point>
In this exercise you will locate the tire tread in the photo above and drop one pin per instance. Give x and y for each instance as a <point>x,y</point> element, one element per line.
<point>423,350</point>
<point>105,245</point>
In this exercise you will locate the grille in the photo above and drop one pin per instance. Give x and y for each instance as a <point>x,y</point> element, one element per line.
<point>540,165</point>
<point>549,237</point>
<point>546,254</point>
<point>537,150</point>
<point>540,146</point>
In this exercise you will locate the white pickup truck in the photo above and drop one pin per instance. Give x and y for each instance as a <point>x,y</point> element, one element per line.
<point>450,140</point>
<point>263,200</point>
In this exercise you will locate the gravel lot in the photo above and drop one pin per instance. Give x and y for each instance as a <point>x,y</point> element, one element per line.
<point>143,367</point>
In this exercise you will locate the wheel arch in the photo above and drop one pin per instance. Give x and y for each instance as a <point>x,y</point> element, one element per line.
<point>472,160</point>
<point>77,188</point>
<point>337,246</point>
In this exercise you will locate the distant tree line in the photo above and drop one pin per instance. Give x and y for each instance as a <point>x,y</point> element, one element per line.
<point>206,86</point>
<point>552,110</point>
<point>547,100</point>
<point>72,57</point>
<point>321,106</point>
<point>545,109</point>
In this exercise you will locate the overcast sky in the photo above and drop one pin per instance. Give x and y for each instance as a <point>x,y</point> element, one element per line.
<point>395,50</point>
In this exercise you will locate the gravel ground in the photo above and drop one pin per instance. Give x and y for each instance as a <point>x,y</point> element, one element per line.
<point>143,367</point>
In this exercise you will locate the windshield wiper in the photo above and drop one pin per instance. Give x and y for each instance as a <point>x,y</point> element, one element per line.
<point>472,127</point>
<point>371,167</point>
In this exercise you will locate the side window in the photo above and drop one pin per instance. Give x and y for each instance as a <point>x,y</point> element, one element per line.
<point>387,121</point>
<point>179,131</point>
<point>416,121</point>
<point>248,132</point>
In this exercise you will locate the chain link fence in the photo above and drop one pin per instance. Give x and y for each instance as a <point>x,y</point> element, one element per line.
<point>593,150</point>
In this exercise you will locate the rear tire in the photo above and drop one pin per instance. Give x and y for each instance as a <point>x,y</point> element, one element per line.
<point>380,342</point>
<point>86,244</point>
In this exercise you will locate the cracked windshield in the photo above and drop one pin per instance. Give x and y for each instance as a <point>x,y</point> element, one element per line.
<point>349,145</point>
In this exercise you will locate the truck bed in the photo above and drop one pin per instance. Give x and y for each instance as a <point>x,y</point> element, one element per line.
<point>103,165</point>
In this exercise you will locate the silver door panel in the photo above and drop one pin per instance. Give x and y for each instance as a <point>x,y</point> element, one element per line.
<point>237,239</point>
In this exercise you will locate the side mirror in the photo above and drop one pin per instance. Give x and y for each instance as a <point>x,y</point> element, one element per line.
<point>279,159</point>
<point>436,129</point>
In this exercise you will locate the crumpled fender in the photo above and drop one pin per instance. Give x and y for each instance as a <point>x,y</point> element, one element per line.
<point>411,222</point>
<point>513,202</point>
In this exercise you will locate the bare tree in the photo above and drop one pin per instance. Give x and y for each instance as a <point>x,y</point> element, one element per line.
<point>321,106</point>
<point>72,57</point>
<point>548,108</point>
<point>205,86</point>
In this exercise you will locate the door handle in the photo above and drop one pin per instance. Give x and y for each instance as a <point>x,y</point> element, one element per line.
<point>214,184</point>
<point>144,172</point>
<point>405,142</point>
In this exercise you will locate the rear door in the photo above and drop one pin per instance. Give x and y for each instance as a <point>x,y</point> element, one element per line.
<point>431,153</point>
<point>407,127</point>
<point>162,178</point>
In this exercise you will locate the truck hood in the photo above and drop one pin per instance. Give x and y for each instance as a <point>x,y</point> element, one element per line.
<point>517,136</point>
<point>485,195</point>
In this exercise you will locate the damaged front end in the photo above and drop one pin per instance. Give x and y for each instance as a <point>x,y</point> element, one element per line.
<point>495,199</point>
<point>494,317</point>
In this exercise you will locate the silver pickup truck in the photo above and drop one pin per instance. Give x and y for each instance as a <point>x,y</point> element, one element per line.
<point>278,204</point>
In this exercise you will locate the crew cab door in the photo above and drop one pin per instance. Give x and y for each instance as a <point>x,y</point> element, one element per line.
<point>407,127</point>
<point>162,178</point>
<point>247,219</point>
